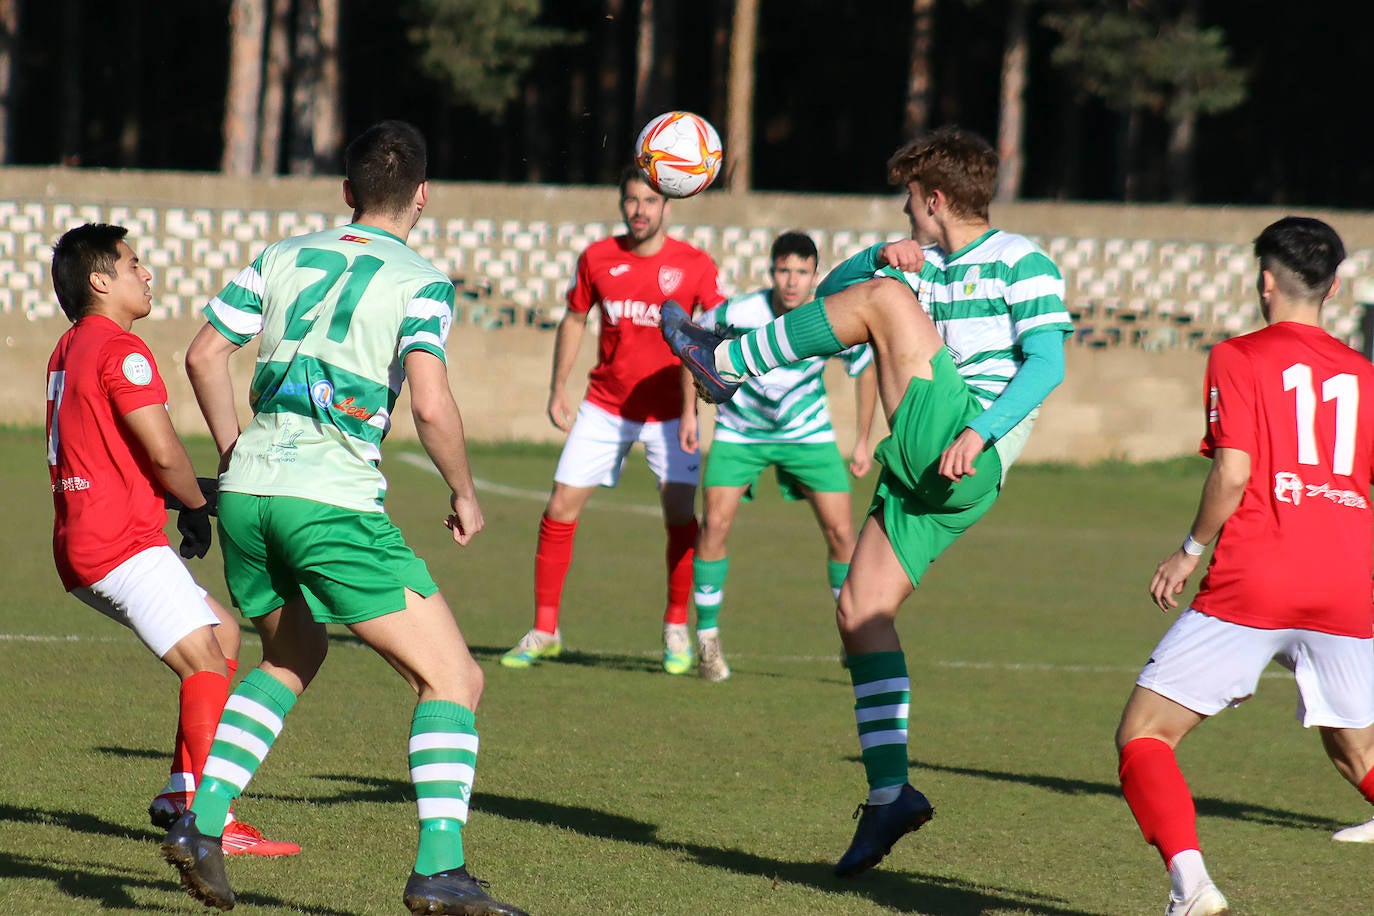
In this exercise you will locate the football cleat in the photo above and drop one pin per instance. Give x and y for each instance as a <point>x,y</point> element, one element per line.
<point>167,807</point>
<point>533,646</point>
<point>1360,833</point>
<point>696,347</point>
<point>454,891</point>
<point>880,826</point>
<point>200,859</point>
<point>710,660</point>
<point>242,840</point>
<point>1205,901</point>
<point>677,648</point>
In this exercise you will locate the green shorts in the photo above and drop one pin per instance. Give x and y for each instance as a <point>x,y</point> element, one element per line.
<point>800,466</point>
<point>922,512</point>
<point>349,566</point>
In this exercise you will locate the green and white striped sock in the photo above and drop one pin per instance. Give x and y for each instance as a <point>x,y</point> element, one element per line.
<point>882,695</point>
<point>443,756</point>
<point>804,331</point>
<point>708,590</point>
<point>251,721</point>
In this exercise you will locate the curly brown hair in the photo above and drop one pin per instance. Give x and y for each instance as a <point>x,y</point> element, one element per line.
<point>957,162</point>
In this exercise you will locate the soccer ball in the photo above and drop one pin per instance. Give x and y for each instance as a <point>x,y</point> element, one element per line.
<point>678,153</point>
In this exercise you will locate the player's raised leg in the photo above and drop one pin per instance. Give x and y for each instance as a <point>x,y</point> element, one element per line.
<point>876,587</point>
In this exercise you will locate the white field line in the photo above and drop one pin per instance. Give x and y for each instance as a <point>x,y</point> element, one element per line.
<point>500,489</point>
<point>751,656</point>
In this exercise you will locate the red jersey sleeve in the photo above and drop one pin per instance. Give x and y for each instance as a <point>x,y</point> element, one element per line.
<point>581,297</point>
<point>1230,391</point>
<point>708,293</point>
<point>129,375</point>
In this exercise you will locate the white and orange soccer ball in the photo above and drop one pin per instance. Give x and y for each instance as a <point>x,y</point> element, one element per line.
<point>679,153</point>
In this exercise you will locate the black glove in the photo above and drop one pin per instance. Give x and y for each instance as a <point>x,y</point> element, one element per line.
<point>194,525</point>
<point>209,488</point>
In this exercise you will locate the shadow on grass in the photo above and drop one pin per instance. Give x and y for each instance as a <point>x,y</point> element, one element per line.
<point>902,892</point>
<point>141,753</point>
<point>104,885</point>
<point>1206,807</point>
<point>607,660</point>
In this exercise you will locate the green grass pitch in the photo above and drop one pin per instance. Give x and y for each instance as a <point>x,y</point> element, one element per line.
<point>606,786</point>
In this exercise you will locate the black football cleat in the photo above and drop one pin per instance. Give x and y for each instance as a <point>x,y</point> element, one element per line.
<point>454,891</point>
<point>696,347</point>
<point>880,826</point>
<point>200,859</point>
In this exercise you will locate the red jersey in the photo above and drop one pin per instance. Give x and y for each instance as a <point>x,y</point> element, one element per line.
<point>108,502</point>
<point>1297,551</point>
<point>636,376</point>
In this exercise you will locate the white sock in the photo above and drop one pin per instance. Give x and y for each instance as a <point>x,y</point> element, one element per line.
<point>723,364</point>
<point>1187,873</point>
<point>884,796</point>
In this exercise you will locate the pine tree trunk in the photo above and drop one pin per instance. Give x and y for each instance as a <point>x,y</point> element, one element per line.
<point>739,143</point>
<point>274,87</point>
<point>9,73</point>
<point>240,130</point>
<point>1011,117</point>
<point>916,117</point>
<point>305,84</point>
<point>327,117</point>
<point>614,148</point>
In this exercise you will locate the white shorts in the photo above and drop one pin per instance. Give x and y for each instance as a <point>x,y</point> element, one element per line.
<point>153,594</point>
<point>1207,664</point>
<point>599,442</point>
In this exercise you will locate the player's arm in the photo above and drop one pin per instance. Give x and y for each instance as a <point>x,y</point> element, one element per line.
<point>566,342</point>
<point>866,401</point>
<point>1040,373</point>
<point>152,428</point>
<point>207,366</point>
<point>1221,495</point>
<point>439,426</point>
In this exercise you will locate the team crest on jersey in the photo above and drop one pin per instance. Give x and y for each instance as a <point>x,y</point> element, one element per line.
<point>971,280</point>
<point>669,279</point>
<point>137,369</point>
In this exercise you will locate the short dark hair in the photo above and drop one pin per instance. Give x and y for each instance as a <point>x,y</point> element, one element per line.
<point>793,242</point>
<point>384,165</point>
<point>80,252</point>
<point>632,173</point>
<point>957,162</point>
<point>1302,253</point>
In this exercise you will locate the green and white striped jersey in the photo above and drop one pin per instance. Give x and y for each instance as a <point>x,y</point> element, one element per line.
<point>984,299</point>
<point>786,404</point>
<point>338,311</point>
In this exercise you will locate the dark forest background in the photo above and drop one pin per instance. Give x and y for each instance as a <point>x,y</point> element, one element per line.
<point>554,92</point>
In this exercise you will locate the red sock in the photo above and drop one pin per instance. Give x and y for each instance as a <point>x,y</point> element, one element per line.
<point>552,558</point>
<point>682,540</point>
<point>1158,795</point>
<point>1366,787</point>
<point>233,665</point>
<point>203,696</point>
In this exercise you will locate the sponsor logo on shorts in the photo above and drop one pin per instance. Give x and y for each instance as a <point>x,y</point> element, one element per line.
<point>137,369</point>
<point>1290,488</point>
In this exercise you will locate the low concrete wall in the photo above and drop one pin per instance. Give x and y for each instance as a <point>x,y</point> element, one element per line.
<point>1128,404</point>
